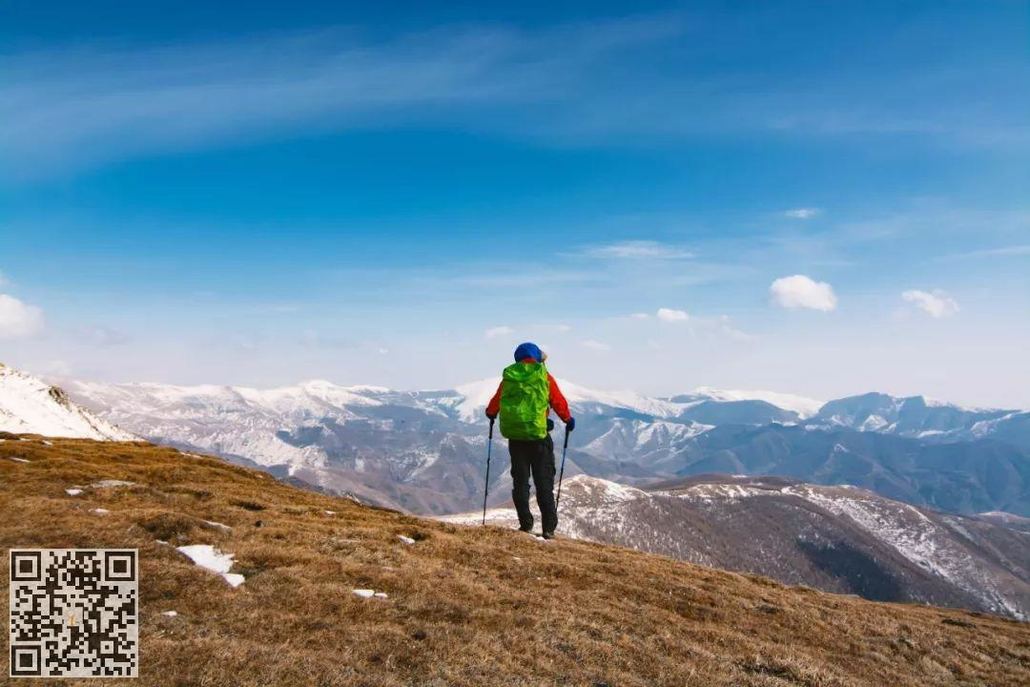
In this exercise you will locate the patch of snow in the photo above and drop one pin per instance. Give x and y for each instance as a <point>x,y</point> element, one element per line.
<point>210,558</point>
<point>364,593</point>
<point>406,540</point>
<point>99,511</point>
<point>170,614</point>
<point>329,512</point>
<point>219,525</point>
<point>873,423</point>
<point>74,491</point>
<point>710,492</point>
<point>111,484</point>
<point>16,459</point>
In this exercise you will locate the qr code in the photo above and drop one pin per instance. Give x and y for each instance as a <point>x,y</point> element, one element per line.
<point>74,613</point>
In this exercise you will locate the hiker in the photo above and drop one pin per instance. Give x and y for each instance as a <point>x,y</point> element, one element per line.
<point>523,398</point>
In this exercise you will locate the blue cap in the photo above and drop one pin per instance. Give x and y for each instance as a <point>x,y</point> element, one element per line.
<point>528,350</point>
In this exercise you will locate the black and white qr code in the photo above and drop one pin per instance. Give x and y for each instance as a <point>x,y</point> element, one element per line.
<point>74,613</point>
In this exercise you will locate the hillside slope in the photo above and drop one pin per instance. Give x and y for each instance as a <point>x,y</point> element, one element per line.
<point>465,605</point>
<point>837,539</point>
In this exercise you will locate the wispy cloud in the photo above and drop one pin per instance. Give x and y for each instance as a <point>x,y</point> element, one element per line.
<point>102,336</point>
<point>639,250</point>
<point>999,252</point>
<point>83,106</point>
<point>86,106</point>
<point>495,332</point>
<point>800,291</point>
<point>595,345</point>
<point>802,213</point>
<point>936,304</point>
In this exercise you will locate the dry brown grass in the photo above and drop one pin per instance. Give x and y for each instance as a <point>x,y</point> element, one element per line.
<point>467,606</point>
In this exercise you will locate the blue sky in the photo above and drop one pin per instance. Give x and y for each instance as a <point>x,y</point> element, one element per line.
<point>820,198</point>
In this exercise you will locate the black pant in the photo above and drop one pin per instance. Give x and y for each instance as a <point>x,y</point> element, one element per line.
<point>536,457</point>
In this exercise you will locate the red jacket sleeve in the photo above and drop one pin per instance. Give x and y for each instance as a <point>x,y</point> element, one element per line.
<point>494,406</point>
<point>558,402</point>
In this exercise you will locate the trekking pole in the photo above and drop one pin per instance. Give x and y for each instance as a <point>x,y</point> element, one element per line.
<point>561,474</point>
<point>489,450</point>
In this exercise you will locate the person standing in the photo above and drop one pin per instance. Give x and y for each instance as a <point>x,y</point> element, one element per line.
<point>523,401</point>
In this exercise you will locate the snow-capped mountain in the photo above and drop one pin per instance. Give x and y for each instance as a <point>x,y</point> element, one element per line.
<point>420,451</point>
<point>912,416</point>
<point>840,539</point>
<point>31,406</point>
<point>423,451</point>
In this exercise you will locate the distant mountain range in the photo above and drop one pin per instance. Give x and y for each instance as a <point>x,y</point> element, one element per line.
<point>838,539</point>
<point>424,451</point>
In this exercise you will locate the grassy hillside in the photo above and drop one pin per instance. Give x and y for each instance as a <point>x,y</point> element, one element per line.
<point>465,606</point>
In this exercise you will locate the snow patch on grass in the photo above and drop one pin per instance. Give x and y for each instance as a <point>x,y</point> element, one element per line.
<point>210,558</point>
<point>111,484</point>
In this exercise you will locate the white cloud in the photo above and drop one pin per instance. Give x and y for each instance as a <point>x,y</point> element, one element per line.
<point>799,291</point>
<point>802,213</point>
<point>494,332</point>
<point>671,315</point>
<point>640,316</point>
<point>640,250</point>
<point>596,345</point>
<point>18,320</point>
<point>936,304</point>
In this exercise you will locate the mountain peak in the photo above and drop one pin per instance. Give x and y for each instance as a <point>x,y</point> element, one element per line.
<point>31,406</point>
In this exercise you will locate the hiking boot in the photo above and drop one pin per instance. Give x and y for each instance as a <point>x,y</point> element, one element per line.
<point>527,528</point>
<point>548,535</point>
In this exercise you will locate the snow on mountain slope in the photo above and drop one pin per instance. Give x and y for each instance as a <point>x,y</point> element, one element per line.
<point>803,406</point>
<point>927,542</point>
<point>31,406</point>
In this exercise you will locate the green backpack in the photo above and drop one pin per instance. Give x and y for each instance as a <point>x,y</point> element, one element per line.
<point>525,398</point>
